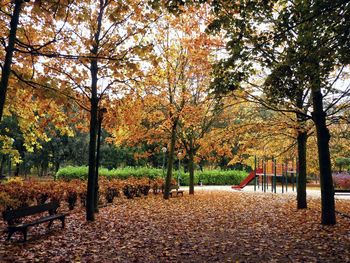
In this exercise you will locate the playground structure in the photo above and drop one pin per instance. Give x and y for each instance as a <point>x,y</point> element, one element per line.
<point>267,172</point>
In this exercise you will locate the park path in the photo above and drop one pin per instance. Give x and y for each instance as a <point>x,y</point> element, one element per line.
<point>311,191</point>
<point>211,226</point>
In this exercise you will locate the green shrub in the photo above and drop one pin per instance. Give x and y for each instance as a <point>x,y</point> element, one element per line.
<point>215,177</point>
<point>210,177</point>
<point>125,173</point>
<point>81,172</point>
<point>72,172</point>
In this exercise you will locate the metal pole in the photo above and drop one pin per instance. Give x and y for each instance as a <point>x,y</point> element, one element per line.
<point>163,164</point>
<point>293,179</point>
<point>286,183</point>
<point>274,176</point>
<point>296,172</point>
<point>262,176</point>
<point>265,176</point>
<point>258,175</point>
<point>283,174</point>
<point>178,175</point>
<point>255,180</point>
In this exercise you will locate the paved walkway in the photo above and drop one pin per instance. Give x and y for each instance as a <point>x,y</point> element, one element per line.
<point>250,188</point>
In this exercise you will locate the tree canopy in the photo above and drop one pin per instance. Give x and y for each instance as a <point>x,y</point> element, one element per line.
<point>215,82</point>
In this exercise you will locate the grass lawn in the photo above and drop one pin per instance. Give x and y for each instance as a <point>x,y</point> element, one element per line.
<point>208,227</point>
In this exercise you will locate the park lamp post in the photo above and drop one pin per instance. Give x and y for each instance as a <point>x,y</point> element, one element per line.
<point>164,149</point>
<point>179,168</point>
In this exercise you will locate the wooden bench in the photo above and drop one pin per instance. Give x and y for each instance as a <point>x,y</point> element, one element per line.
<point>158,189</point>
<point>175,189</point>
<point>12,216</point>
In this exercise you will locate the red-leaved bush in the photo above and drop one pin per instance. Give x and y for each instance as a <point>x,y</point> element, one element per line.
<point>341,180</point>
<point>19,193</point>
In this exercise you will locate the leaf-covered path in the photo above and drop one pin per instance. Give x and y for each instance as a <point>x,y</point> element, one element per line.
<point>207,227</point>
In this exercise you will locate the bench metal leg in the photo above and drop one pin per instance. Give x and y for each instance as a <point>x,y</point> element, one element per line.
<point>24,231</point>
<point>63,221</point>
<point>10,233</point>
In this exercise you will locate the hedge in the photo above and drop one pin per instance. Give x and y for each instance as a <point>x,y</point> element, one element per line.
<point>210,177</point>
<point>214,177</point>
<point>341,180</point>
<point>17,192</point>
<point>81,172</point>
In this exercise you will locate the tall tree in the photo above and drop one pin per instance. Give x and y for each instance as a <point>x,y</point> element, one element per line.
<point>319,40</point>
<point>100,53</point>
<point>177,86</point>
<point>25,38</point>
<point>320,44</point>
<point>253,52</point>
<point>9,50</point>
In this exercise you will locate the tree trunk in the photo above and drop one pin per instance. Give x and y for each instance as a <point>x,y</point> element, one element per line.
<point>96,194</point>
<point>323,137</point>
<point>44,167</point>
<point>17,169</point>
<point>301,190</point>
<point>90,198</point>
<point>57,166</point>
<point>6,69</point>
<point>2,165</point>
<point>191,167</point>
<point>169,172</point>
<point>9,166</point>
<point>90,202</point>
<point>301,141</point>
<point>38,170</point>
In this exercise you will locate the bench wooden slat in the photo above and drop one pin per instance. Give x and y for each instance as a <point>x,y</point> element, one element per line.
<point>10,215</point>
<point>177,191</point>
<point>38,221</point>
<point>30,210</point>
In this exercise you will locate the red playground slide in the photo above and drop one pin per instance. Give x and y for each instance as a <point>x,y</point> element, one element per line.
<point>247,180</point>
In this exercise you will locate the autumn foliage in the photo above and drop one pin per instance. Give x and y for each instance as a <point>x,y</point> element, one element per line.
<point>222,227</point>
<point>18,193</point>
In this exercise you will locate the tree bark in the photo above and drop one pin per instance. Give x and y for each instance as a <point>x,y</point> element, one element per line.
<point>17,170</point>
<point>301,190</point>
<point>191,167</point>
<point>96,194</point>
<point>57,166</point>
<point>90,202</point>
<point>6,70</point>
<point>169,173</point>
<point>2,163</point>
<point>302,144</point>
<point>323,137</point>
<point>90,197</point>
